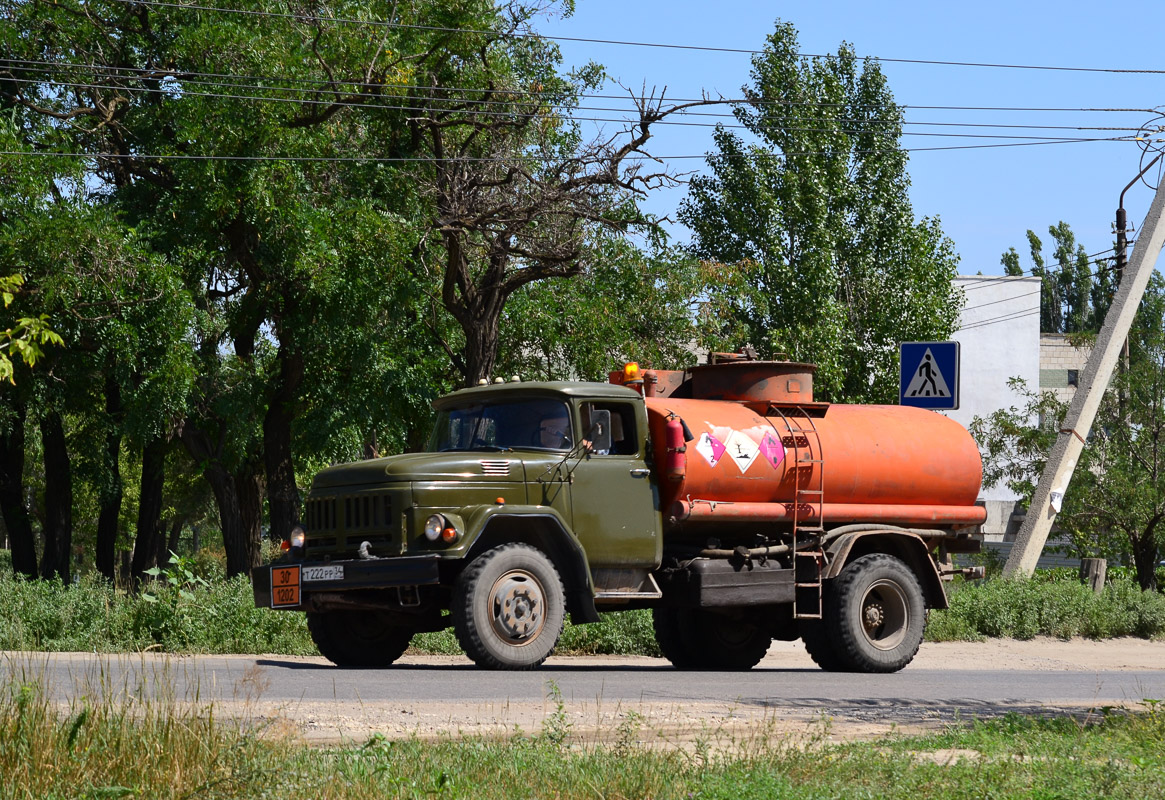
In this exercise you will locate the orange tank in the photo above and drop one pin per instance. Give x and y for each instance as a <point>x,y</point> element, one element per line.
<point>756,460</point>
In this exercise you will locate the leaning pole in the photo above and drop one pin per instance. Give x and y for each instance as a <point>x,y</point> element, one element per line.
<point>1045,504</point>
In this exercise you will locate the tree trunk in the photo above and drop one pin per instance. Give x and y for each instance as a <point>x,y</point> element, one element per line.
<point>282,493</point>
<point>481,346</point>
<point>176,526</point>
<point>12,497</point>
<point>250,493</point>
<point>1145,557</point>
<point>58,500</point>
<point>147,543</point>
<point>240,528</point>
<point>110,493</point>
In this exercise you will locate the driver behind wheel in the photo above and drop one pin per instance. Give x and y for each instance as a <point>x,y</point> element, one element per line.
<point>554,432</point>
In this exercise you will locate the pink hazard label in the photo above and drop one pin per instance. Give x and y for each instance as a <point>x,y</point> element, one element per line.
<point>710,448</point>
<point>771,450</point>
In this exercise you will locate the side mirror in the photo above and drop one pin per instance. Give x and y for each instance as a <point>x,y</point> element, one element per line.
<point>600,433</point>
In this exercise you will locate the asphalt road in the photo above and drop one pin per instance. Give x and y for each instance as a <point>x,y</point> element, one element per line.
<point>451,683</point>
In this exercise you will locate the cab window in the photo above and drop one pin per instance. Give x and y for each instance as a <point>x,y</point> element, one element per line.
<point>624,438</point>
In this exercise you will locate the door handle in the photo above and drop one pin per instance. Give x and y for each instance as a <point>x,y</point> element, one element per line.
<point>640,472</point>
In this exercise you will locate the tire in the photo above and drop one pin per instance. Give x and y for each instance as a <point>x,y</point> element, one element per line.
<point>357,638</point>
<point>819,645</point>
<point>876,615</point>
<point>508,608</point>
<point>666,622</point>
<point>699,639</point>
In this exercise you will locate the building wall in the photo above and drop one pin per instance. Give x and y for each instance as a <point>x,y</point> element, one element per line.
<point>999,336</point>
<point>1061,365</point>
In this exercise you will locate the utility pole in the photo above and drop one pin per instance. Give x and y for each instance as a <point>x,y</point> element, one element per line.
<point>1045,504</point>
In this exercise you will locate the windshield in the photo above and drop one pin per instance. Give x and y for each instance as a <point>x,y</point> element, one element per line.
<point>541,424</point>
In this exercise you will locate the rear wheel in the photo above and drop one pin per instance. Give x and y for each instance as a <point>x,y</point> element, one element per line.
<point>700,639</point>
<point>876,614</point>
<point>508,608</point>
<point>357,638</point>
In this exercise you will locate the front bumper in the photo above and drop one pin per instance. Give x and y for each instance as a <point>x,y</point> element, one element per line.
<point>381,573</point>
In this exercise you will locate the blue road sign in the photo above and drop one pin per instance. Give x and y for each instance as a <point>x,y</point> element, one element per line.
<point>929,375</point>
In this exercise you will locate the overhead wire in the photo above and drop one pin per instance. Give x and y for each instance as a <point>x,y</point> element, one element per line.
<point>623,120</point>
<point>162,74</point>
<point>1020,314</point>
<point>180,91</point>
<point>1030,272</point>
<point>622,43</point>
<point>414,159</point>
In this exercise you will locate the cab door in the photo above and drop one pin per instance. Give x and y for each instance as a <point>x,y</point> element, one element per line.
<point>614,500</point>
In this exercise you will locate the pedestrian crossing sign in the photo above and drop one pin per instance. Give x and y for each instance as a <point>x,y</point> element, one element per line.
<point>929,375</point>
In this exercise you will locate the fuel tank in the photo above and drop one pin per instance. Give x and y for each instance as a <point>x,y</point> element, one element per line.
<point>759,459</point>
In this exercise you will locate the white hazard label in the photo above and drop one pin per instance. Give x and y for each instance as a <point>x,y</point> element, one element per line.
<point>742,450</point>
<point>928,380</point>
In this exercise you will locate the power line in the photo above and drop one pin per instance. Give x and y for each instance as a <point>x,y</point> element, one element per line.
<point>624,120</point>
<point>1031,272</point>
<point>412,159</point>
<point>584,40</point>
<point>179,93</point>
<point>187,75</point>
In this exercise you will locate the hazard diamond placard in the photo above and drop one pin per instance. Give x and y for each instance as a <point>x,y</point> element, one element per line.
<point>930,375</point>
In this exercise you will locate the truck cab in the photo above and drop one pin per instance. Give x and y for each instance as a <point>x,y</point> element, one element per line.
<point>556,471</point>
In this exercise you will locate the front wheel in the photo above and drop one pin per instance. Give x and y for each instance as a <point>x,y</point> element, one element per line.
<point>357,638</point>
<point>876,615</point>
<point>508,608</point>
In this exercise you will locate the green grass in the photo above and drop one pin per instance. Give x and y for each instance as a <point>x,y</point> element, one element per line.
<point>185,612</point>
<point>98,748</point>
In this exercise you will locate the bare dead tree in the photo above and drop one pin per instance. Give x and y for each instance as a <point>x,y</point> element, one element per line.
<point>514,199</point>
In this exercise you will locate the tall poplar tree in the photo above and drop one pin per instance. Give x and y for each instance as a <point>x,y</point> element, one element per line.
<point>814,203</point>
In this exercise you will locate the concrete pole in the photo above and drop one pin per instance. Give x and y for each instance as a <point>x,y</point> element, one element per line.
<point>1077,424</point>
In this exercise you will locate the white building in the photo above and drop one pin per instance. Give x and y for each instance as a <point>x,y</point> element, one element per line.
<point>999,338</point>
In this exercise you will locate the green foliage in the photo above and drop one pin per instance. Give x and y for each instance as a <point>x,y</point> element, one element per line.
<point>189,616</point>
<point>816,214</point>
<point>1072,298</point>
<point>619,633</point>
<point>27,337</point>
<point>1049,605</point>
<point>106,747</point>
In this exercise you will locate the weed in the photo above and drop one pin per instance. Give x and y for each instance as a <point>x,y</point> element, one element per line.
<point>556,726</point>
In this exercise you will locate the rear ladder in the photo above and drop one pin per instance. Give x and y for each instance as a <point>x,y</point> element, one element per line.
<point>803,443</point>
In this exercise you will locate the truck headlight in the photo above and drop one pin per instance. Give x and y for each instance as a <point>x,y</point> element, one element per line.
<point>298,536</point>
<point>433,527</point>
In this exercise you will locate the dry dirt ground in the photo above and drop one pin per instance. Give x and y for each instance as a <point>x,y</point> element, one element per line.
<point>716,724</point>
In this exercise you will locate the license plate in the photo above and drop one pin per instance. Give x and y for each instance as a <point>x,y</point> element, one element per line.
<point>284,586</point>
<point>329,573</point>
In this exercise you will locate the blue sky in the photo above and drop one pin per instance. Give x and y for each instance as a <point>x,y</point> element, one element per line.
<point>986,198</point>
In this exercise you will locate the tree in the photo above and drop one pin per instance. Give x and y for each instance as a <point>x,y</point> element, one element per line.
<point>626,305</point>
<point>817,207</point>
<point>1072,298</point>
<point>1115,504</point>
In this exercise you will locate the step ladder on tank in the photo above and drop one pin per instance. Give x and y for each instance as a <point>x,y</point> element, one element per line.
<point>803,456</point>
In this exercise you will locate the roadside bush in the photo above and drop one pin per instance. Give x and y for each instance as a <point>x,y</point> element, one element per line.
<point>218,617</point>
<point>1054,603</point>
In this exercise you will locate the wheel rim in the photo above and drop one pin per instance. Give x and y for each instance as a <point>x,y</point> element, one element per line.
<point>884,614</point>
<point>517,607</point>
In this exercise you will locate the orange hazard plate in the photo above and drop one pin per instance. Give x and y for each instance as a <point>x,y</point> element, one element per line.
<point>284,586</point>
